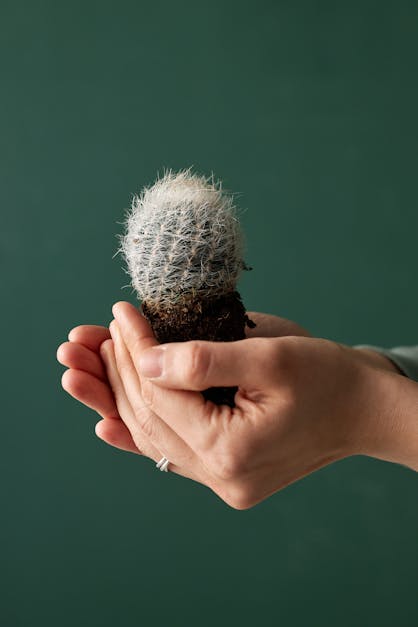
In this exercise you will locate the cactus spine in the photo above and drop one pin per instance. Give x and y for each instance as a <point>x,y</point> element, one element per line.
<point>182,238</point>
<point>183,248</point>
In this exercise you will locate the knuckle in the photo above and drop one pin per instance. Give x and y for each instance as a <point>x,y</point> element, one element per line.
<point>225,465</point>
<point>136,346</point>
<point>123,370</point>
<point>238,496</point>
<point>146,422</point>
<point>280,353</point>
<point>147,392</point>
<point>197,365</point>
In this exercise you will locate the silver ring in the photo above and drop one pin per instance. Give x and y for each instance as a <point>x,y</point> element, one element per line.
<point>163,464</point>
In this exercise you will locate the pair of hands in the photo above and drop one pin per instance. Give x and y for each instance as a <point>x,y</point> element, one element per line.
<point>302,402</point>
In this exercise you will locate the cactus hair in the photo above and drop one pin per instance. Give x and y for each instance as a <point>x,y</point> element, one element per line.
<point>183,249</point>
<point>182,239</point>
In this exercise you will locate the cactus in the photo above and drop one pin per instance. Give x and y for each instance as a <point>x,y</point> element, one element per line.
<point>183,248</point>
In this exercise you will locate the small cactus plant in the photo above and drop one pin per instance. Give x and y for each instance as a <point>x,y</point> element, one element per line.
<point>183,249</point>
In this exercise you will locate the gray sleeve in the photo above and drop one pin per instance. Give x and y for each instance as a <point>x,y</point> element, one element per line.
<point>404,357</point>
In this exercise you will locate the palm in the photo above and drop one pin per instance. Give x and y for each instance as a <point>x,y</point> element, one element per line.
<point>87,381</point>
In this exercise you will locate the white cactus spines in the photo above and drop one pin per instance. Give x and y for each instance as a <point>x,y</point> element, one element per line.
<point>182,240</point>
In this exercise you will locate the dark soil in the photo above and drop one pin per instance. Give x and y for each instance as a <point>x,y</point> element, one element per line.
<point>220,319</point>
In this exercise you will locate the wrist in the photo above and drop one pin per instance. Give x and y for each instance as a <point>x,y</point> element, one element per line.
<point>385,417</point>
<point>373,358</point>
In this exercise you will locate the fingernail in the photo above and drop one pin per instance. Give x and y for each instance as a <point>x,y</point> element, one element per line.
<point>151,363</point>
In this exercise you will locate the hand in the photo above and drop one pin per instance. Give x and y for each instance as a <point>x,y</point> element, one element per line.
<point>87,380</point>
<point>302,403</point>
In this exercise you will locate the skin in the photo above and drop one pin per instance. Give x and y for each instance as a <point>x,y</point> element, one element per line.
<point>302,402</point>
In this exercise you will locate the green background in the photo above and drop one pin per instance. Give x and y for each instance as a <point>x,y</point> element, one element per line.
<point>309,111</point>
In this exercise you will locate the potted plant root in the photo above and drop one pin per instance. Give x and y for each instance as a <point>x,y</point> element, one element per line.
<point>183,247</point>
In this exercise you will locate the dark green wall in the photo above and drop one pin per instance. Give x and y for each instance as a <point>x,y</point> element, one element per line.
<point>309,110</point>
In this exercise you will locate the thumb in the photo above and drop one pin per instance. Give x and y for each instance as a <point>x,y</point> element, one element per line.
<point>198,365</point>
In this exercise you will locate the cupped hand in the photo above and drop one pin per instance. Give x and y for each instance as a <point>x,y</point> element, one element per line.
<point>301,403</point>
<point>87,381</point>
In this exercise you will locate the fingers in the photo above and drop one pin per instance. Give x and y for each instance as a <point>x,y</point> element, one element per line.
<point>90,391</point>
<point>89,335</point>
<point>181,410</point>
<point>160,435</point>
<point>126,411</point>
<point>77,356</point>
<point>273,326</point>
<point>198,365</point>
<point>137,332</point>
<point>122,402</point>
<point>195,365</point>
<point>117,434</point>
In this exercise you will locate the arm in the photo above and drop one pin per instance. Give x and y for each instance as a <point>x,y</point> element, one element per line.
<point>389,427</point>
<point>302,403</point>
<point>402,359</point>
